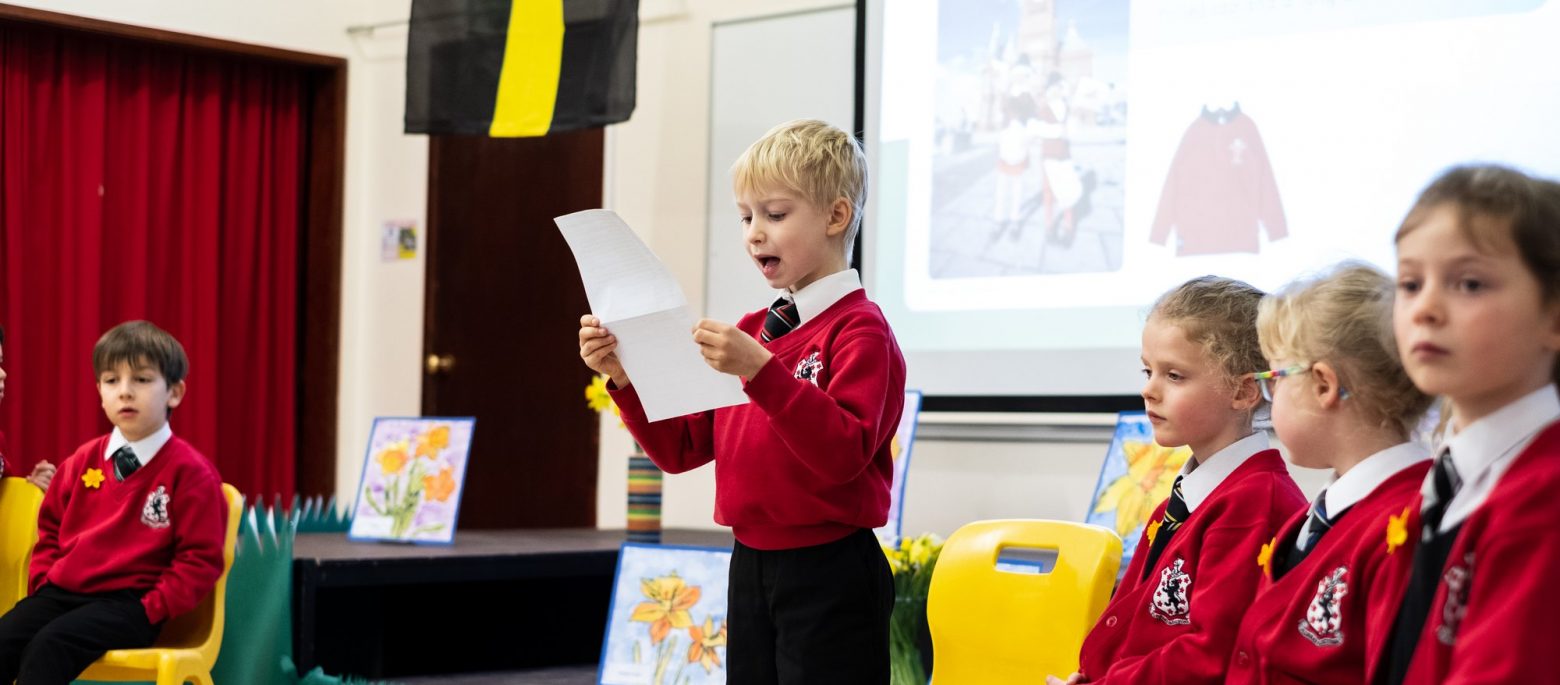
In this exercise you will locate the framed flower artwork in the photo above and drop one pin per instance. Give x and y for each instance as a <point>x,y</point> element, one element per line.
<point>412,480</point>
<point>667,622</point>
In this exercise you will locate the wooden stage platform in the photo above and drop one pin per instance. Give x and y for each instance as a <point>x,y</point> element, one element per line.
<point>493,601</point>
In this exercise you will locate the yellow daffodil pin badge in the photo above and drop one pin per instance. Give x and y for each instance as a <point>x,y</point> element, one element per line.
<point>1397,530</point>
<point>1265,557</point>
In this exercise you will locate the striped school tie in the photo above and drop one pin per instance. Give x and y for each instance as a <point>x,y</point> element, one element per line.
<point>781,319</point>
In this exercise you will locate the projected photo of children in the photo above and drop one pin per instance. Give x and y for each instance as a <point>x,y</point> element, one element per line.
<point>1031,137</point>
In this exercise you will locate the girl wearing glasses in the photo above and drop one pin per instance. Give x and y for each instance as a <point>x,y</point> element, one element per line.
<point>1341,401</point>
<point>1174,615</point>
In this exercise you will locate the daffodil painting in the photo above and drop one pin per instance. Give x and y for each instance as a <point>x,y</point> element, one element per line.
<point>904,438</point>
<point>1136,477</point>
<point>412,478</point>
<point>668,620</point>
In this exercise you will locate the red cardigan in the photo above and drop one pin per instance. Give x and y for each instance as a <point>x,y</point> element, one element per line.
<point>160,531</point>
<point>806,460</point>
<point>1492,620</point>
<point>1178,624</point>
<point>1309,625</point>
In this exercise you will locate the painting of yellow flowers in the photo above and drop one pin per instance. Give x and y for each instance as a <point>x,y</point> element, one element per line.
<point>1136,477</point>
<point>668,620</point>
<point>412,478</point>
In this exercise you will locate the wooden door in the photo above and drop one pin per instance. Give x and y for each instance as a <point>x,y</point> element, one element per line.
<point>503,304</point>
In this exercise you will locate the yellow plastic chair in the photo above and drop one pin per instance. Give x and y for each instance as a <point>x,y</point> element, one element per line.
<point>992,626</point>
<point>19,504</point>
<point>187,648</point>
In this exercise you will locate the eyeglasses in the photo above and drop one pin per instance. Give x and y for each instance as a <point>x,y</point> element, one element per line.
<point>1267,379</point>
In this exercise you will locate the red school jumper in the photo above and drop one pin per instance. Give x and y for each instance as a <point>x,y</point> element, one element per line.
<point>806,461</point>
<point>160,531</point>
<point>1178,624</point>
<point>1309,625</point>
<point>1493,616</point>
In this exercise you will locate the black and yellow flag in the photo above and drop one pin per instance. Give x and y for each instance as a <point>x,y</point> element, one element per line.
<point>511,68</point>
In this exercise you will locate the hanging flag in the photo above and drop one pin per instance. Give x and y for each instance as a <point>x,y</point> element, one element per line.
<point>514,68</point>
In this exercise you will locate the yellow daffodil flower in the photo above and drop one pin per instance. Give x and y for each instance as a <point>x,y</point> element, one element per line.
<point>1397,530</point>
<point>393,458</point>
<point>705,640</point>
<point>670,598</point>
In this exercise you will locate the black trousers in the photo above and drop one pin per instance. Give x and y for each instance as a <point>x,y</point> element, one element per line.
<point>812,615</point>
<point>50,637</point>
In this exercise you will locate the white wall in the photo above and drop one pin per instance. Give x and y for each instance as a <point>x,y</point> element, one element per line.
<point>386,178</point>
<point>656,179</point>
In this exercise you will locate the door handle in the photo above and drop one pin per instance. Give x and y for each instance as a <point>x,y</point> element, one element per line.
<point>439,363</point>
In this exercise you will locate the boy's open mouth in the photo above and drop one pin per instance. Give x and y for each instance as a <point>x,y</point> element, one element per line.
<point>768,264</point>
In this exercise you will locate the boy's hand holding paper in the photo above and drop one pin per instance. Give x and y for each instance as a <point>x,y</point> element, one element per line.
<point>633,295</point>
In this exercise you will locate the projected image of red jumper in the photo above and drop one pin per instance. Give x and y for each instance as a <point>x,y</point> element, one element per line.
<point>1220,189</point>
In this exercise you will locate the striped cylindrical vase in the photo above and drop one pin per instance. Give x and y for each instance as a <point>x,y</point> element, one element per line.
<point>644,499</point>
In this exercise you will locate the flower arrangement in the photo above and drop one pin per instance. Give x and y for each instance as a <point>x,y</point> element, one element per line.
<point>597,398</point>
<point>667,609</point>
<point>912,562</point>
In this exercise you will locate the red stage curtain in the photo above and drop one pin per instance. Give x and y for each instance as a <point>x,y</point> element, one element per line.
<point>145,182</point>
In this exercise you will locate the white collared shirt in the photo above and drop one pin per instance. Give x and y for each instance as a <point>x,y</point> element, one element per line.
<point>823,293</point>
<point>144,449</point>
<point>1484,449</point>
<point>1347,490</point>
<point>1200,479</point>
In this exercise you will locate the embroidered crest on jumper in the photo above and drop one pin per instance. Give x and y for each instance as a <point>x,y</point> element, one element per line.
<point>1170,603</point>
<point>808,368</point>
<point>1458,579</point>
<point>1323,622</point>
<point>155,512</point>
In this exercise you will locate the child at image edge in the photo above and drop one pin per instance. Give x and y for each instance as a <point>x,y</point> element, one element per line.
<point>43,471</point>
<point>803,469</point>
<point>1341,401</point>
<point>1173,616</point>
<point>1477,321</point>
<point>131,531</point>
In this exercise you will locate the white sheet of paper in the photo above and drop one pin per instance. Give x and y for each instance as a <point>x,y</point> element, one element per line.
<point>636,297</point>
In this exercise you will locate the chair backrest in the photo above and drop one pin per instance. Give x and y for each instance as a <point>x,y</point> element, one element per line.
<point>992,626</point>
<point>19,504</point>
<point>201,627</point>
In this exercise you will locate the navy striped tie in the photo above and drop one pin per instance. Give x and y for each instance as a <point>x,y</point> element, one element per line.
<point>781,319</point>
<point>125,462</point>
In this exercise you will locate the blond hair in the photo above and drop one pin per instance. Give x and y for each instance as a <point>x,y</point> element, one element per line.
<point>1343,316</point>
<point>813,159</point>
<point>1219,315</point>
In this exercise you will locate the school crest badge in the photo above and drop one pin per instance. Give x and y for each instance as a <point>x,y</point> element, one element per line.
<point>1323,622</point>
<point>155,512</point>
<point>808,368</point>
<point>1458,580</point>
<point>1171,604</point>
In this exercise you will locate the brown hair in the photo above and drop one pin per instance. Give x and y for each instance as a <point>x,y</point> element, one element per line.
<point>1220,315</point>
<point>1343,316</point>
<point>138,342</point>
<point>1497,208</point>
